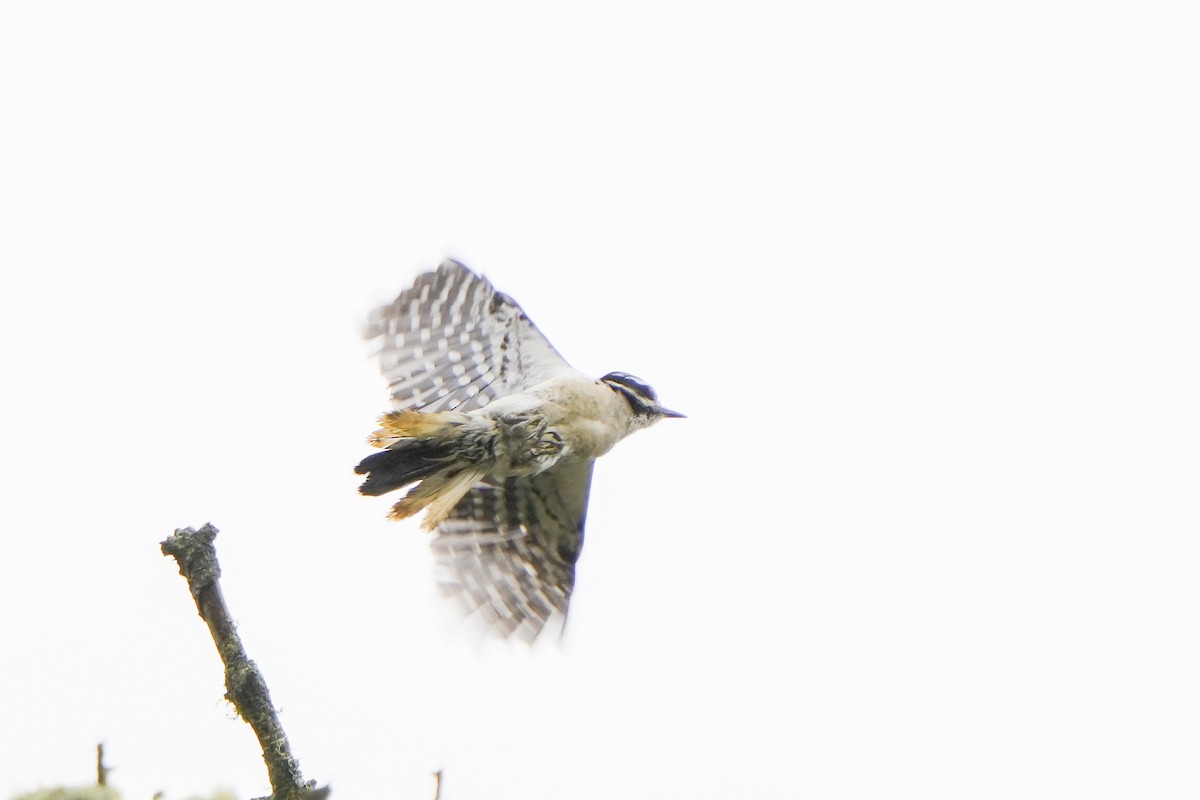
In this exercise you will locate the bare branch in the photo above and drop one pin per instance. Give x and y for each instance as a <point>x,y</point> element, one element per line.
<point>244,685</point>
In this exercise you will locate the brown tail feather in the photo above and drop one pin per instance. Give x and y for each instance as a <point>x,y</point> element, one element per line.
<point>397,425</point>
<point>439,494</point>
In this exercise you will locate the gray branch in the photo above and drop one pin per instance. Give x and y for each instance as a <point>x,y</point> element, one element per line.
<point>244,685</point>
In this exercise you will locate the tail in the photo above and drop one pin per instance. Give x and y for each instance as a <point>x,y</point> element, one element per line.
<point>403,463</point>
<point>419,447</point>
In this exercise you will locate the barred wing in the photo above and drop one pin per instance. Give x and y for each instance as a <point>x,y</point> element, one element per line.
<point>509,550</point>
<point>453,342</point>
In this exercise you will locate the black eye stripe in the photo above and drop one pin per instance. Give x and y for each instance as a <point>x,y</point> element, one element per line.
<point>636,402</point>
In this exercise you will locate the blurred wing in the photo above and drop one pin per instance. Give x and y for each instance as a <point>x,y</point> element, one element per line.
<point>509,550</point>
<point>453,342</point>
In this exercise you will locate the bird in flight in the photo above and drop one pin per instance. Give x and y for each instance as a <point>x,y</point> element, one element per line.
<point>496,434</point>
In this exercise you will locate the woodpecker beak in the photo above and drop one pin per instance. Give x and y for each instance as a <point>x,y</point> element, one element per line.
<point>666,412</point>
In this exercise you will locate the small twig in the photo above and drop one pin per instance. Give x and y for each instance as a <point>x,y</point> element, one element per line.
<point>244,684</point>
<point>101,770</point>
<point>437,785</point>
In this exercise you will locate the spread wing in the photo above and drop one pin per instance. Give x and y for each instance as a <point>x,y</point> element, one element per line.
<point>453,342</point>
<point>509,550</point>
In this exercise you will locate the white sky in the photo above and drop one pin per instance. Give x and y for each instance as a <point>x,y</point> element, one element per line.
<point>924,276</point>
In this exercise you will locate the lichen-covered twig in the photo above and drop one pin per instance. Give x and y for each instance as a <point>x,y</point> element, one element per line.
<point>244,684</point>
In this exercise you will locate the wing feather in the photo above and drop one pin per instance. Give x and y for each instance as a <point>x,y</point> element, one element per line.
<point>508,550</point>
<point>451,341</point>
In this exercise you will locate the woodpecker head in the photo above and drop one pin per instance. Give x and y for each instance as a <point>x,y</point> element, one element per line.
<point>641,398</point>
